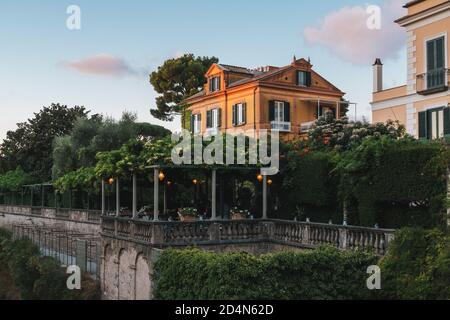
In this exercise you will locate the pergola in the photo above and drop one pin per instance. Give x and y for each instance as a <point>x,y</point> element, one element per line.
<point>156,172</point>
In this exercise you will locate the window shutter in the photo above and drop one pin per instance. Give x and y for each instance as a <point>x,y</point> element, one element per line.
<point>234,115</point>
<point>308,79</point>
<point>429,125</point>
<point>192,123</point>
<point>218,83</point>
<point>422,125</point>
<point>209,119</point>
<point>244,113</point>
<point>440,53</point>
<point>446,121</point>
<point>297,73</point>
<point>271,110</point>
<point>219,117</point>
<point>430,55</point>
<point>287,112</point>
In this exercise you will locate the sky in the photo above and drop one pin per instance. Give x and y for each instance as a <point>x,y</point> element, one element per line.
<point>105,65</point>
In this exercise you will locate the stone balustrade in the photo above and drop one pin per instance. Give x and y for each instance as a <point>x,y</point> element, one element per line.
<point>58,213</point>
<point>288,233</point>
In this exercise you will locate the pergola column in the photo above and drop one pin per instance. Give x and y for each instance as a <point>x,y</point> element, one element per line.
<point>264,197</point>
<point>134,209</point>
<point>213,195</point>
<point>156,195</point>
<point>117,197</point>
<point>103,197</point>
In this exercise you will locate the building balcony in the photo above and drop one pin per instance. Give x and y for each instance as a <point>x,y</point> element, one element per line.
<point>433,81</point>
<point>281,126</point>
<point>306,126</point>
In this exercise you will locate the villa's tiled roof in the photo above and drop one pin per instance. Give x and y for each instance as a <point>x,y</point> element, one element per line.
<point>236,69</point>
<point>411,3</point>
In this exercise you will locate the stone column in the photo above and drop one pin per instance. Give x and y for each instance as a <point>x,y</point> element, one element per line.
<point>117,197</point>
<point>156,195</point>
<point>264,213</point>
<point>213,195</point>
<point>135,216</point>
<point>103,197</point>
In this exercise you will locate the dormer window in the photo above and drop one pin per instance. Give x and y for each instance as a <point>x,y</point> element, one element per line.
<point>214,84</point>
<point>304,78</point>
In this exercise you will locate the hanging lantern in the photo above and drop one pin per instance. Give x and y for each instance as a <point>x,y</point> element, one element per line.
<point>161,176</point>
<point>260,178</point>
<point>195,181</point>
<point>269,182</point>
<point>111,181</point>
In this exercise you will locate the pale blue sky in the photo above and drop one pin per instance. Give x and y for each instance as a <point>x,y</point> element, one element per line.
<point>36,46</point>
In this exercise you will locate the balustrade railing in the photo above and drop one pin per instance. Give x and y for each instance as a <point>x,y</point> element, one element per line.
<point>290,233</point>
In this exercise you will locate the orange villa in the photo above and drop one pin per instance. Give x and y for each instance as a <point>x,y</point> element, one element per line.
<point>422,105</point>
<point>288,99</point>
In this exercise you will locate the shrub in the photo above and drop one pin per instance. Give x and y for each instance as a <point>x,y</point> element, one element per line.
<point>326,273</point>
<point>25,274</point>
<point>417,266</point>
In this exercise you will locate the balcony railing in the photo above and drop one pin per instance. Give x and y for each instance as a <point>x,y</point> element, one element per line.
<point>281,126</point>
<point>433,81</point>
<point>225,232</point>
<point>306,126</point>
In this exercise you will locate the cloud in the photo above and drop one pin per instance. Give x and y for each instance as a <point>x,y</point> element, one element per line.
<point>345,33</point>
<point>101,64</point>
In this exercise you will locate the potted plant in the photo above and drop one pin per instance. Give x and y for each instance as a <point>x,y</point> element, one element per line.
<point>239,214</point>
<point>188,214</point>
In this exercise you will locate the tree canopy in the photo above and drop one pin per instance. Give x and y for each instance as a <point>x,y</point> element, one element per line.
<point>94,135</point>
<point>30,145</point>
<point>176,80</point>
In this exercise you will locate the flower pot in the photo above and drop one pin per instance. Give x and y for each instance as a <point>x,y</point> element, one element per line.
<point>187,218</point>
<point>238,216</point>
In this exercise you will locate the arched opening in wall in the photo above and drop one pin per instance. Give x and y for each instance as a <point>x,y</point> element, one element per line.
<point>127,259</point>
<point>142,278</point>
<point>110,274</point>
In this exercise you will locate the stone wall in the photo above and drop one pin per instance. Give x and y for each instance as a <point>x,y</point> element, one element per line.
<point>126,270</point>
<point>71,220</point>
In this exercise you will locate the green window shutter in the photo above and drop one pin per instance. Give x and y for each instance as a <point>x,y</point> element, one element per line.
<point>430,55</point>
<point>297,73</point>
<point>447,121</point>
<point>440,53</point>
<point>271,110</point>
<point>422,125</point>
<point>244,112</point>
<point>209,119</point>
<point>234,116</point>
<point>287,112</point>
<point>192,124</point>
<point>219,117</point>
<point>308,79</point>
<point>429,127</point>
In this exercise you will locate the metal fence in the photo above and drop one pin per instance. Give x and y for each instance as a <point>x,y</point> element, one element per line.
<point>68,247</point>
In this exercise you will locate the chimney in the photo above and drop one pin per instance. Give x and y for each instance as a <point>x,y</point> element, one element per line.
<point>377,76</point>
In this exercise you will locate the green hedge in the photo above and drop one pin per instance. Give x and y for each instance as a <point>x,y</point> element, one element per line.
<point>25,274</point>
<point>417,266</point>
<point>309,188</point>
<point>326,273</point>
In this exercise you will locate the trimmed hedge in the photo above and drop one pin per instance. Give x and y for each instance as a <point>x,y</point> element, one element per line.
<point>417,266</point>
<point>29,275</point>
<point>325,273</point>
<point>309,188</point>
